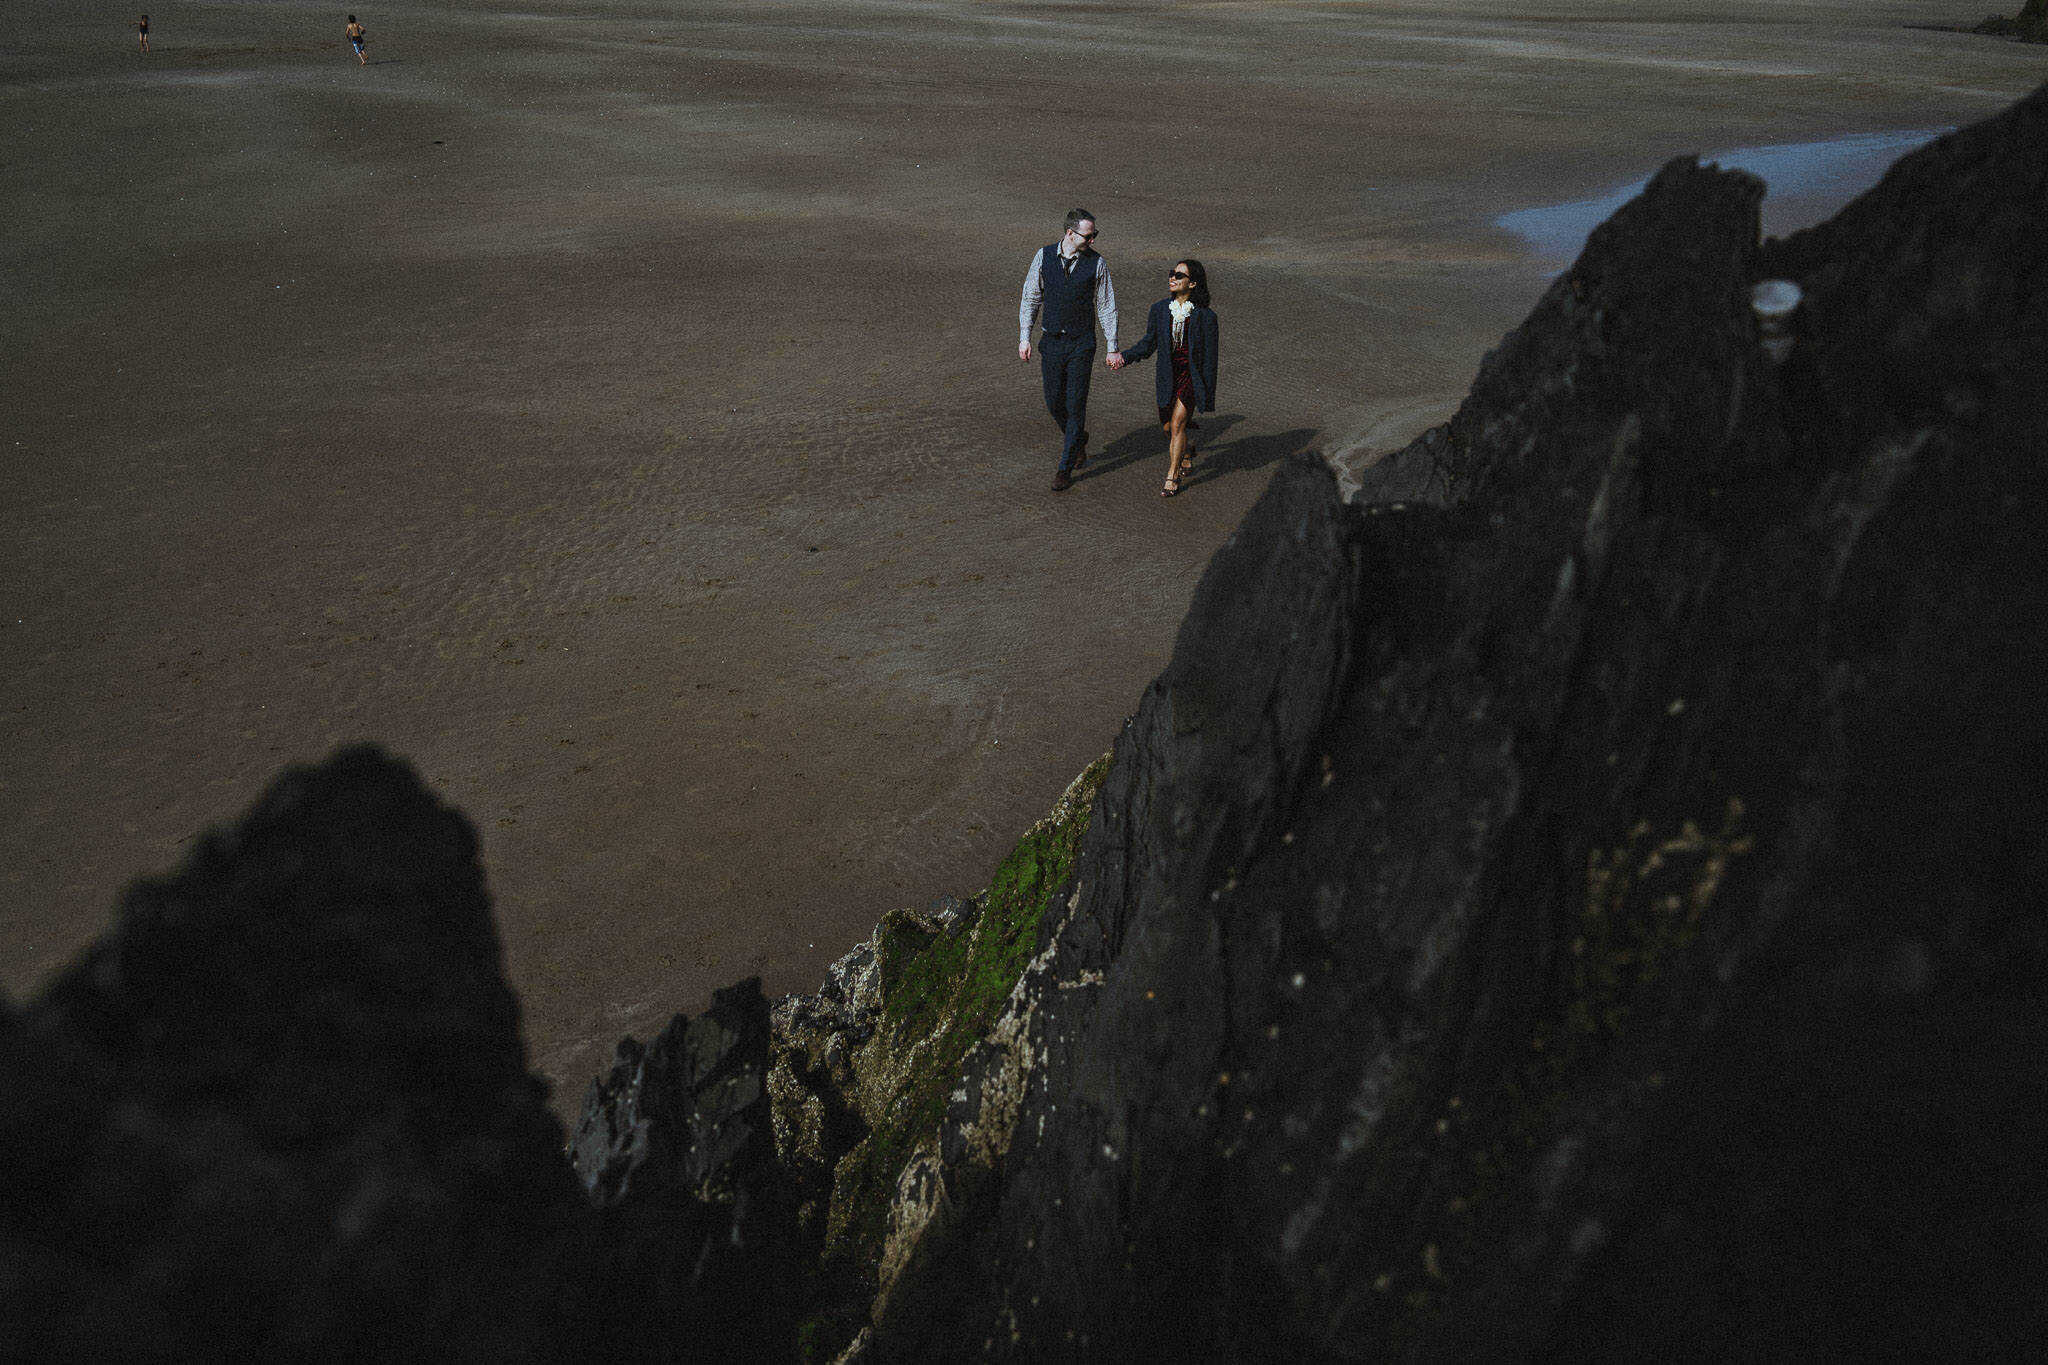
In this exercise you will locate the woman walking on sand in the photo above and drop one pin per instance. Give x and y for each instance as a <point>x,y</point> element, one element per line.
<point>356,39</point>
<point>143,30</point>
<point>1181,328</point>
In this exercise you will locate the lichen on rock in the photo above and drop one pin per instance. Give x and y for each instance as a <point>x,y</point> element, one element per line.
<point>862,1072</point>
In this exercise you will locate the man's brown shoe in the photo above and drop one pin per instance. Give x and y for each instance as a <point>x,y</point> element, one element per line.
<point>1060,482</point>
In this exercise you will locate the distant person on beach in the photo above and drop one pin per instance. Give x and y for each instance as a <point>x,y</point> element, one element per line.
<point>356,38</point>
<point>1070,282</point>
<point>142,30</point>
<point>1181,329</point>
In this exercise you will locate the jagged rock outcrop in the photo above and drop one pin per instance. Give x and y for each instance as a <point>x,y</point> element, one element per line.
<point>687,1111</point>
<point>778,1249</point>
<point>674,1146</point>
<point>863,1071</point>
<point>2030,25</point>
<point>282,1109</point>
<point>1569,902</point>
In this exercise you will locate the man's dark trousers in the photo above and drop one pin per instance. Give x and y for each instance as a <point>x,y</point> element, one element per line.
<point>1065,362</point>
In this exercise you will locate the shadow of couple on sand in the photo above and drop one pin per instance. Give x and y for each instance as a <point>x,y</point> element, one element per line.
<point>1214,458</point>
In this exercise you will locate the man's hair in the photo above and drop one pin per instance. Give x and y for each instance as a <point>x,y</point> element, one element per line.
<point>1075,216</point>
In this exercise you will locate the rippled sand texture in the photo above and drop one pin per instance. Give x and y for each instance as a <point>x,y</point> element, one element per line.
<point>615,410</point>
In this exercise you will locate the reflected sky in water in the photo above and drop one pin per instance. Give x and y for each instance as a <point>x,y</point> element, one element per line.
<point>1808,181</point>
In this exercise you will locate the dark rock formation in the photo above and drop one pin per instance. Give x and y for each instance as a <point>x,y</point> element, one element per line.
<point>687,1112</point>
<point>2030,25</point>
<point>283,1108</point>
<point>674,1145</point>
<point>1574,905</point>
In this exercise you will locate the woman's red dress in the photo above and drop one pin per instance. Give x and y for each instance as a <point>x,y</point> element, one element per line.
<point>1183,384</point>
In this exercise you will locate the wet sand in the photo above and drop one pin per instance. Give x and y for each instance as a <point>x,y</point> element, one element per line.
<point>615,410</point>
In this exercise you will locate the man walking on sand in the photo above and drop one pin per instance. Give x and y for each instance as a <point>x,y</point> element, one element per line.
<point>1071,284</point>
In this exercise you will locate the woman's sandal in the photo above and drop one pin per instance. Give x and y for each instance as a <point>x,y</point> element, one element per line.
<point>1171,487</point>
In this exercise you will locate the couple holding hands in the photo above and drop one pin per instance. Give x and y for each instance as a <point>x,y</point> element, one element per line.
<point>1069,283</point>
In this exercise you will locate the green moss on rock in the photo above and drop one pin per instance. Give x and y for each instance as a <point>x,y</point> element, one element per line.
<point>941,993</point>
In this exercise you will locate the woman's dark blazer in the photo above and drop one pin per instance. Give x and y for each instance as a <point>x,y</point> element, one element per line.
<point>1201,353</point>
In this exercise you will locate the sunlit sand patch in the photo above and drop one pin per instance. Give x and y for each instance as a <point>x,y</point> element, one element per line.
<point>1528,50</point>
<point>1441,240</point>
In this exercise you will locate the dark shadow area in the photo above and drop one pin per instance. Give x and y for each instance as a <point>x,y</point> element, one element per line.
<point>1142,444</point>
<point>1149,444</point>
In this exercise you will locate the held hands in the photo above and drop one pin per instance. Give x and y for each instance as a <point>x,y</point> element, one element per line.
<point>1115,361</point>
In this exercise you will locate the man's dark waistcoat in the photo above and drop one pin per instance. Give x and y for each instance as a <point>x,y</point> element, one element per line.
<point>1069,302</point>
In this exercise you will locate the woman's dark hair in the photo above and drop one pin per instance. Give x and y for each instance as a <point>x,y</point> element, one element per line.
<point>1198,279</point>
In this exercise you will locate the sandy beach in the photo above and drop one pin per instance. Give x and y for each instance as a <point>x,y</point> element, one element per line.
<point>615,411</point>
